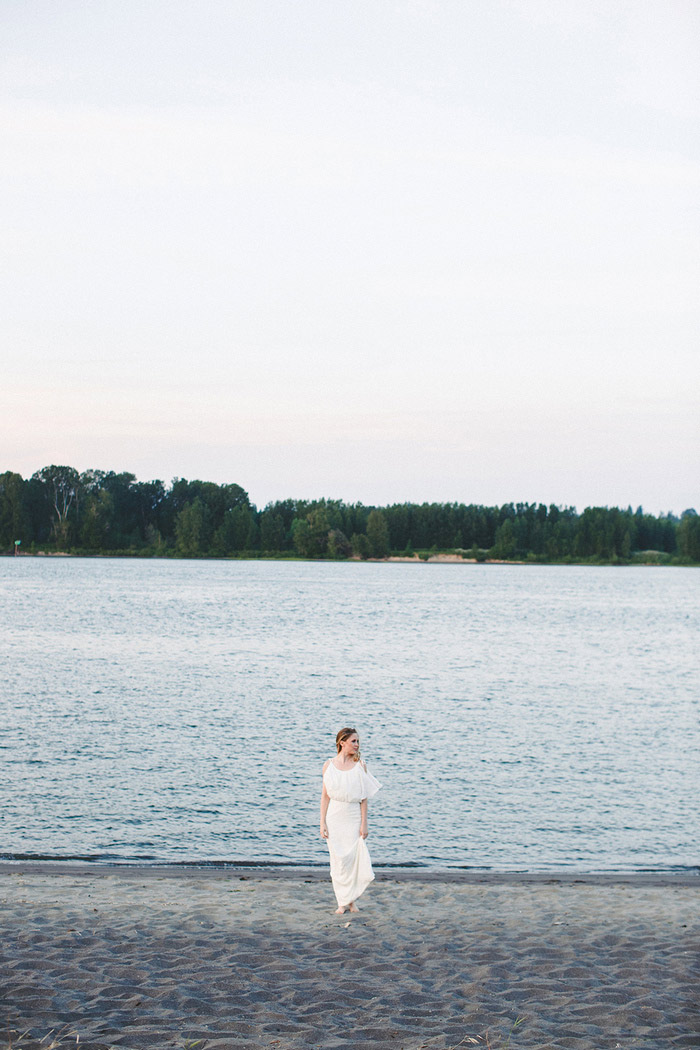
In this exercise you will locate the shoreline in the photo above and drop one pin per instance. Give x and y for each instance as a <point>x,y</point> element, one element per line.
<point>392,559</point>
<point>221,871</point>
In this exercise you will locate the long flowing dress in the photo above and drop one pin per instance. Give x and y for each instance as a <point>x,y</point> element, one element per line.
<point>351,867</point>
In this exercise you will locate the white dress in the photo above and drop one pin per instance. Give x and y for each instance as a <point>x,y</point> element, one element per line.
<point>351,867</point>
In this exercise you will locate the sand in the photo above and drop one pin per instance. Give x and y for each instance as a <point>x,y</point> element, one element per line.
<point>142,958</point>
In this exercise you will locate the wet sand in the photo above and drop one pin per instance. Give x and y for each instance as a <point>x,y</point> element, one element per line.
<point>138,958</point>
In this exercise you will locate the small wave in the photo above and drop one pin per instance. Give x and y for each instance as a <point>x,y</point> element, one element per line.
<point>83,858</point>
<point>422,868</point>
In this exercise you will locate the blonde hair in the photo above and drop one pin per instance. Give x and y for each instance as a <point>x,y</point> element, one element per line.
<point>341,736</point>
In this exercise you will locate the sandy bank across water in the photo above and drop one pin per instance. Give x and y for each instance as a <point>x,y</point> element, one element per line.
<point>146,957</point>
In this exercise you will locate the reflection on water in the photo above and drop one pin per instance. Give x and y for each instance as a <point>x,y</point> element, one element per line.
<point>519,717</point>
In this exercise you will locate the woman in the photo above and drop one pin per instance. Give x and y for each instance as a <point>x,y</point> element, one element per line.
<point>346,787</point>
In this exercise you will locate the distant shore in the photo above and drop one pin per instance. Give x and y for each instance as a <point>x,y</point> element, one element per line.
<point>135,957</point>
<point>428,558</point>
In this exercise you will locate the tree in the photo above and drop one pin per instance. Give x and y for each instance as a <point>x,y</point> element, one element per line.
<point>13,516</point>
<point>504,546</point>
<point>234,496</point>
<point>398,518</point>
<point>190,528</point>
<point>301,537</point>
<point>320,527</point>
<point>151,500</point>
<point>126,526</point>
<point>234,533</point>
<point>310,533</point>
<point>63,489</point>
<point>338,544</point>
<point>97,518</point>
<point>689,535</point>
<point>626,545</point>
<point>154,540</point>
<point>360,545</point>
<point>377,534</point>
<point>271,531</point>
<point>252,540</point>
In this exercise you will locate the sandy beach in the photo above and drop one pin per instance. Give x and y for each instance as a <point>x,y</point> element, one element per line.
<point>137,957</point>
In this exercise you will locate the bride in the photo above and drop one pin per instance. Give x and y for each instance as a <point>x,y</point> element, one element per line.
<point>346,787</point>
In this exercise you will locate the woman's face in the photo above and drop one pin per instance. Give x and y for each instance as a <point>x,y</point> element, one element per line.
<point>351,745</point>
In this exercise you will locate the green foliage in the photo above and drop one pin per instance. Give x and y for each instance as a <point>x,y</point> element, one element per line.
<point>504,547</point>
<point>301,536</point>
<point>271,531</point>
<point>13,512</point>
<point>310,533</point>
<point>62,488</point>
<point>192,529</point>
<point>319,527</point>
<point>103,511</point>
<point>689,536</point>
<point>360,545</point>
<point>338,544</point>
<point>97,519</point>
<point>235,533</point>
<point>378,534</point>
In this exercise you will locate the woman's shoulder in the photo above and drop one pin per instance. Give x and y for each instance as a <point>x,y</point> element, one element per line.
<point>327,763</point>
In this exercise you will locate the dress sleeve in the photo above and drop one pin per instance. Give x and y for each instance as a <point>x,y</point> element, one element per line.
<point>370,785</point>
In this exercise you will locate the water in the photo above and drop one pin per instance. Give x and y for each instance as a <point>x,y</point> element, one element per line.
<point>519,717</point>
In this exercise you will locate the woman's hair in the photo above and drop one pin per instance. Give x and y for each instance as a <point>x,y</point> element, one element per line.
<point>341,736</point>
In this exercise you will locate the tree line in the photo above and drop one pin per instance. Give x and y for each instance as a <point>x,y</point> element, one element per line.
<point>102,512</point>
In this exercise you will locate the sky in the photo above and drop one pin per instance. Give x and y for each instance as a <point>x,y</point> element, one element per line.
<point>371,250</point>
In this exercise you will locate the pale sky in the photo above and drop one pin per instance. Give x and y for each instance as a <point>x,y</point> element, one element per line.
<point>369,250</point>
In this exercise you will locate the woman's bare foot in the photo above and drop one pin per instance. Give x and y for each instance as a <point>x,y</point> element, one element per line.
<point>353,907</point>
<point>341,910</point>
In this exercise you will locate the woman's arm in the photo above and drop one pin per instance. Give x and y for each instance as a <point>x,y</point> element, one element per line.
<point>324,806</point>
<point>364,828</point>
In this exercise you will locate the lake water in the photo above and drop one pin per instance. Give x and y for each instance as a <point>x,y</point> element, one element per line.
<point>519,717</point>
